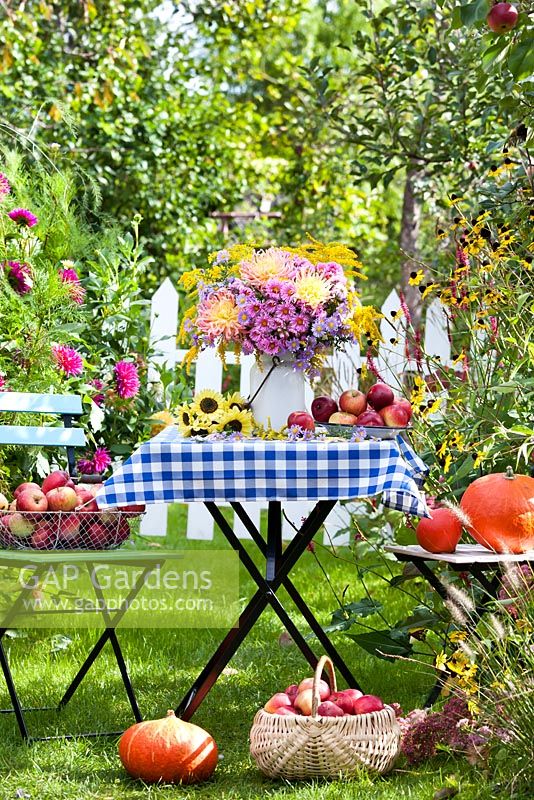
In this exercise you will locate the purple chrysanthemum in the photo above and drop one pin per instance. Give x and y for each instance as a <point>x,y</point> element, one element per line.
<point>126,379</point>
<point>5,186</point>
<point>76,290</point>
<point>19,276</point>
<point>101,459</point>
<point>23,217</point>
<point>68,360</point>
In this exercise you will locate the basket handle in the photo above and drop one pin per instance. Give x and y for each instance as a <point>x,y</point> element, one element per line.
<point>323,662</point>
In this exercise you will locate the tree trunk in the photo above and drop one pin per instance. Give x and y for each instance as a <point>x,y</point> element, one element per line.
<point>409,236</point>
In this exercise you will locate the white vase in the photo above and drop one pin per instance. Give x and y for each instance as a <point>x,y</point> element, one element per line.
<point>282,392</point>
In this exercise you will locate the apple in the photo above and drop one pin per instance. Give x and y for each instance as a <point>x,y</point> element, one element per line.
<point>286,711</point>
<point>55,480</point>
<point>13,505</point>
<point>32,500</point>
<point>43,538</point>
<point>353,402</point>
<point>86,500</point>
<point>6,538</point>
<point>4,502</point>
<point>324,688</point>
<point>394,416</point>
<point>341,418</point>
<point>303,702</point>
<point>379,396</point>
<point>25,487</point>
<point>368,703</point>
<point>370,419</point>
<point>63,498</point>
<point>329,709</point>
<point>405,404</point>
<point>133,509</point>
<point>119,534</point>
<point>292,691</point>
<point>278,700</point>
<point>69,527</point>
<point>342,700</point>
<point>354,694</point>
<point>97,536</point>
<point>20,526</point>
<point>322,408</point>
<point>302,420</point>
<point>502,17</point>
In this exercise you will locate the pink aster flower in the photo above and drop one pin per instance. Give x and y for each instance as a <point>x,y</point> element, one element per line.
<point>23,217</point>
<point>5,186</point>
<point>76,290</point>
<point>68,360</point>
<point>19,276</point>
<point>101,459</point>
<point>127,379</point>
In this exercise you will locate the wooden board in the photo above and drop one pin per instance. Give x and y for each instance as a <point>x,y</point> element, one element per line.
<point>465,554</point>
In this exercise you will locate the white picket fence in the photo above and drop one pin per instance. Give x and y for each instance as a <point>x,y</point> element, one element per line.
<point>391,363</point>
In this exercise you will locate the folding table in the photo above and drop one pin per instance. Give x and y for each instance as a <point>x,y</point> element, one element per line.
<point>171,469</point>
<point>484,565</point>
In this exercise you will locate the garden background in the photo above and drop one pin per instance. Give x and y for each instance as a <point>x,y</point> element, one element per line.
<point>146,135</point>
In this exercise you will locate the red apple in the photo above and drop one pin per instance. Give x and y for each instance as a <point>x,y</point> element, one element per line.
<point>368,703</point>
<point>4,502</point>
<point>20,525</point>
<point>340,418</point>
<point>324,688</point>
<point>292,691</point>
<point>133,509</point>
<point>278,700</point>
<point>32,500</point>
<point>379,396</point>
<point>286,711</point>
<point>405,404</point>
<point>342,700</point>
<point>86,500</point>
<point>69,527</point>
<point>303,702</point>
<point>43,538</point>
<point>354,694</point>
<point>302,420</point>
<point>55,480</point>
<point>24,487</point>
<point>329,709</point>
<point>394,416</point>
<point>441,533</point>
<point>62,499</point>
<point>370,419</point>
<point>322,408</point>
<point>118,533</point>
<point>502,17</point>
<point>97,537</point>
<point>13,505</point>
<point>353,402</point>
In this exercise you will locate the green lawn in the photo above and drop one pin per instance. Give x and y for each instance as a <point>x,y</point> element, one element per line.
<point>162,664</point>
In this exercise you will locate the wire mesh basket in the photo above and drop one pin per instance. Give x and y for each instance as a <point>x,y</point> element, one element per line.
<point>66,530</point>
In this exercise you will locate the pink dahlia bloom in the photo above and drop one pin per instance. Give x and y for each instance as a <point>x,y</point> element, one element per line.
<point>126,379</point>
<point>76,290</point>
<point>68,360</point>
<point>218,316</point>
<point>85,466</point>
<point>19,276</point>
<point>101,459</point>
<point>23,217</point>
<point>5,186</point>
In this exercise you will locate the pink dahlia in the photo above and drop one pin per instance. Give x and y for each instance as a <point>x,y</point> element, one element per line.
<point>76,290</point>
<point>85,466</point>
<point>68,360</point>
<point>5,186</point>
<point>218,316</point>
<point>23,217</point>
<point>101,459</point>
<point>127,379</point>
<point>19,276</point>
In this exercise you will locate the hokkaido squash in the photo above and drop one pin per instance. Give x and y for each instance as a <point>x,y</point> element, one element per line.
<point>500,511</point>
<point>168,750</point>
<point>440,533</point>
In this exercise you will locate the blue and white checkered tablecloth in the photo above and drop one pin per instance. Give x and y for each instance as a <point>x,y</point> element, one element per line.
<point>171,469</point>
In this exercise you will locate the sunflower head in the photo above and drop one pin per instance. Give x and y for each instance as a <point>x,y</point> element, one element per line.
<point>236,421</point>
<point>237,402</point>
<point>160,421</point>
<point>207,403</point>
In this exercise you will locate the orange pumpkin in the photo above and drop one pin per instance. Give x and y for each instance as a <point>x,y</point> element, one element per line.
<point>441,533</point>
<point>168,750</point>
<point>500,510</point>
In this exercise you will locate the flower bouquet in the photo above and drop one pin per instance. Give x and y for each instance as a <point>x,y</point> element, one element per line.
<point>211,413</point>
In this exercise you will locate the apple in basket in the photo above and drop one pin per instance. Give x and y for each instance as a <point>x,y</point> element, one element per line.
<point>370,419</point>
<point>133,509</point>
<point>330,709</point>
<point>368,703</point>
<point>278,700</point>
<point>323,407</point>
<point>4,502</point>
<point>43,538</point>
<point>32,500</point>
<point>324,688</point>
<point>57,479</point>
<point>379,396</point>
<point>342,418</point>
<point>343,701</point>
<point>86,501</point>
<point>69,527</point>
<point>292,691</point>
<point>63,498</point>
<point>20,526</point>
<point>26,487</point>
<point>353,402</point>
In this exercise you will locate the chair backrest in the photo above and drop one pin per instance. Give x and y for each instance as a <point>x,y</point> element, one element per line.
<point>65,406</point>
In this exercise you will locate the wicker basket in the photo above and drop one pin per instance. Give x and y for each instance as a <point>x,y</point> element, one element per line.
<point>308,747</point>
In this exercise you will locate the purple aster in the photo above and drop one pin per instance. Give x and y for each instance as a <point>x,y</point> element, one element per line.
<point>247,347</point>
<point>76,290</point>
<point>300,323</point>
<point>23,217</point>
<point>332,323</point>
<point>222,257</point>
<point>287,290</point>
<point>273,287</point>
<point>270,346</point>
<point>243,317</point>
<point>319,327</point>
<point>68,360</point>
<point>5,186</point>
<point>285,312</point>
<point>127,379</point>
<point>358,435</point>
<point>101,459</point>
<point>19,276</point>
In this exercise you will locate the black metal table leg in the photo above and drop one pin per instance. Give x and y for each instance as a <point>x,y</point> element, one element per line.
<point>17,708</point>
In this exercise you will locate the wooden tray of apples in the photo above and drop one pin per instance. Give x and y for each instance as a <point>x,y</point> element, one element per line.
<point>60,515</point>
<point>378,412</point>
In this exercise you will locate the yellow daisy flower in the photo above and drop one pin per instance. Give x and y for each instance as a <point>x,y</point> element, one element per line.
<point>207,403</point>
<point>416,277</point>
<point>236,421</point>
